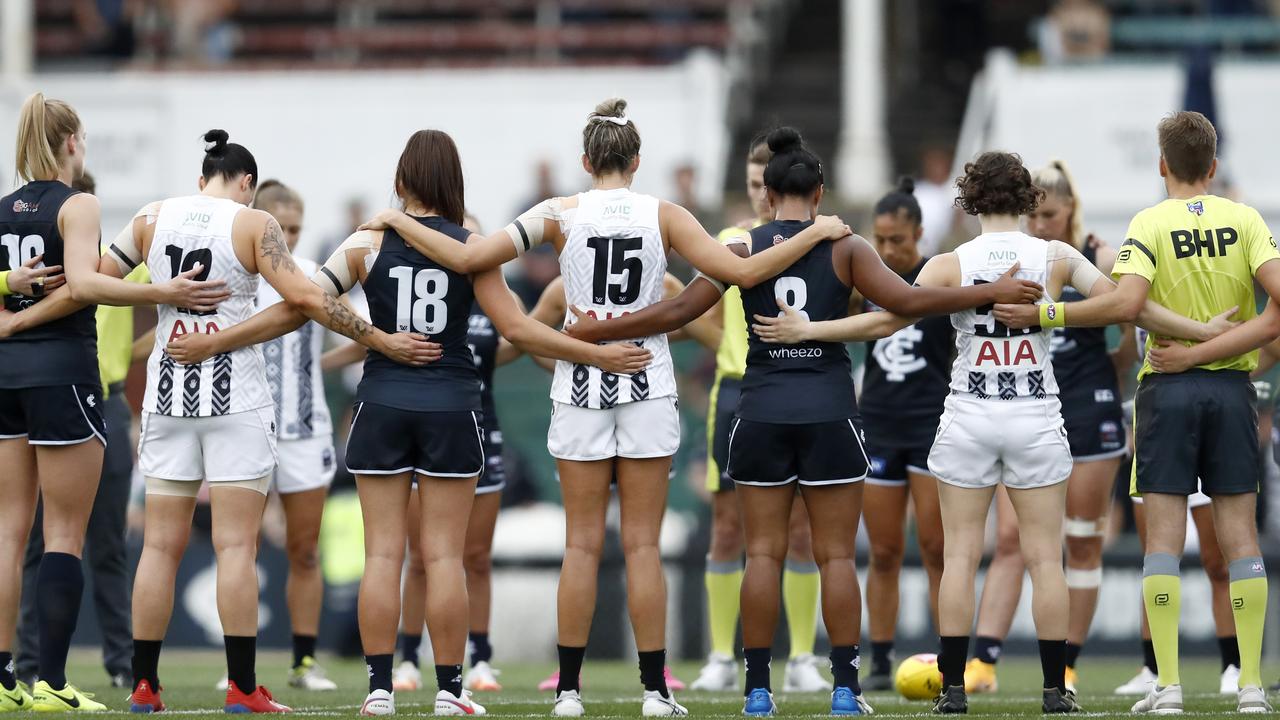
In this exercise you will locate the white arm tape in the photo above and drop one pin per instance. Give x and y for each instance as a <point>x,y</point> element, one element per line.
<point>335,277</point>
<point>719,286</point>
<point>124,250</point>
<point>526,232</point>
<point>1083,273</point>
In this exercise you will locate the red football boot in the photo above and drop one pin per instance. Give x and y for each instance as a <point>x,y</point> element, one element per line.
<point>258,701</point>
<point>144,699</point>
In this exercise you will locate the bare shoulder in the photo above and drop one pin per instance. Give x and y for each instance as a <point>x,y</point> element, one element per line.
<point>81,203</point>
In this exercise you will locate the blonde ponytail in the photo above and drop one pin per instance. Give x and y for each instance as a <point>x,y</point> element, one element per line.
<point>43,127</point>
<point>1055,179</point>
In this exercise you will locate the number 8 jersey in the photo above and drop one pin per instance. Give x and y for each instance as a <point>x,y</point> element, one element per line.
<point>409,292</point>
<point>189,231</point>
<point>993,361</point>
<point>613,263</point>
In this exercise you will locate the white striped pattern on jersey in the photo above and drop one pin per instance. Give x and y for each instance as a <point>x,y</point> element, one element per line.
<point>992,361</point>
<point>293,371</point>
<point>190,230</point>
<point>613,263</point>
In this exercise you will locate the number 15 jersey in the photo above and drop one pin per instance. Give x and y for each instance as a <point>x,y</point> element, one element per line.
<point>613,263</point>
<point>993,361</point>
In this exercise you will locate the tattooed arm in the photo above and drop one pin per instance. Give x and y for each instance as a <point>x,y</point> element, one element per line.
<point>275,263</point>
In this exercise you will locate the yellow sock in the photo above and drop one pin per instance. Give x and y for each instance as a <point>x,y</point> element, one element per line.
<point>1162,594</point>
<point>800,590</point>
<point>1249,608</point>
<point>724,588</point>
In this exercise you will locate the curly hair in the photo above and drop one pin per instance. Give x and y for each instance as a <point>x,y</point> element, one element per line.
<point>997,183</point>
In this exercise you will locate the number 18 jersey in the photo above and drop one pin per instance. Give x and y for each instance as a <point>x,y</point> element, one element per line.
<point>409,292</point>
<point>613,263</point>
<point>993,361</point>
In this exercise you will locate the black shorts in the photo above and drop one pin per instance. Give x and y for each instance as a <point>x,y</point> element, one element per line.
<point>53,415</point>
<point>388,441</point>
<point>1095,425</point>
<point>1197,424</point>
<point>494,477</point>
<point>724,407</point>
<point>897,446</point>
<point>827,453</point>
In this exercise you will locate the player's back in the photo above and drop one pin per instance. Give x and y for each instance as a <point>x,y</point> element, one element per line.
<point>409,292</point>
<point>1199,254</point>
<point>613,263</point>
<point>60,351</point>
<point>808,382</point>
<point>994,361</point>
<point>190,231</point>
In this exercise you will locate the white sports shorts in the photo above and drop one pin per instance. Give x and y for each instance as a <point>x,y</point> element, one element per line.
<point>239,446</point>
<point>305,464</point>
<point>642,429</point>
<point>1018,443</point>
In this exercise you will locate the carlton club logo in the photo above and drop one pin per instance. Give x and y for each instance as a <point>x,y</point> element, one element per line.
<point>20,206</point>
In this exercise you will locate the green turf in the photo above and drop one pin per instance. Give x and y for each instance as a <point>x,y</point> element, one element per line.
<point>612,689</point>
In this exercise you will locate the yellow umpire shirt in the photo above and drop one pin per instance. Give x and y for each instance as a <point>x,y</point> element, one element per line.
<point>1200,255</point>
<point>115,336</point>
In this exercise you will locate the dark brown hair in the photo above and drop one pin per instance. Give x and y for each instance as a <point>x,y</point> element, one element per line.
<point>608,145</point>
<point>1188,144</point>
<point>85,184</point>
<point>997,183</point>
<point>430,172</point>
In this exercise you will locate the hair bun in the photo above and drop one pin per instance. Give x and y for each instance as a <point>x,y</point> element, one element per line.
<point>215,141</point>
<point>613,107</point>
<point>784,139</point>
<point>907,185</point>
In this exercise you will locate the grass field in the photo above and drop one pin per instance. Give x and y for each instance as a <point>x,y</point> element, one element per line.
<point>612,689</point>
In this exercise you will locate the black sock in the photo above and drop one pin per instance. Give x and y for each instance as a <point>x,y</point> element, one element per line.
<point>652,671</point>
<point>987,649</point>
<point>379,667</point>
<point>59,585</point>
<point>1149,656</point>
<point>844,667</point>
<point>304,646</point>
<point>953,651</point>
<point>1230,649</point>
<point>881,658</point>
<point>242,661</point>
<point>481,650</point>
<point>758,660</point>
<point>570,667</point>
<point>1053,663</point>
<point>1073,654</point>
<point>409,645</point>
<point>146,662</point>
<point>449,677</point>
<point>7,680</point>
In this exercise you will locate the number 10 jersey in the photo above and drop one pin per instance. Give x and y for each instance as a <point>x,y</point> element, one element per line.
<point>993,361</point>
<point>613,263</point>
<point>189,231</point>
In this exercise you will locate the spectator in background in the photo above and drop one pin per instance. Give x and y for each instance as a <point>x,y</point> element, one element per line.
<point>107,25</point>
<point>539,266</point>
<point>201,31</point>
<point>357,213</point>
<point>544,186</point>
<point>936,195</point>
<point>1076,30</point>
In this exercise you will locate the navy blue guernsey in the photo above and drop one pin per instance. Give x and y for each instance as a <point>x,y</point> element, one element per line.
<point>808,382</point>
<point>1081,362</point>
<point>908,374</point>
<point>408,292</point>
<point>62,352</point>
<point>483,338</point>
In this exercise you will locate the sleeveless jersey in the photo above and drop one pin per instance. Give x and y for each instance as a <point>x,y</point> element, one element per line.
<point>482,338</point>
<point>1080,360</point>
<point>993,361</point>
<point>293,371</point>
<point>613,263</point>
<point>408,292</point>
<point>809,382</point>
<point>61,352</point>
<point>906,373</point>
<point>191,230</point>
